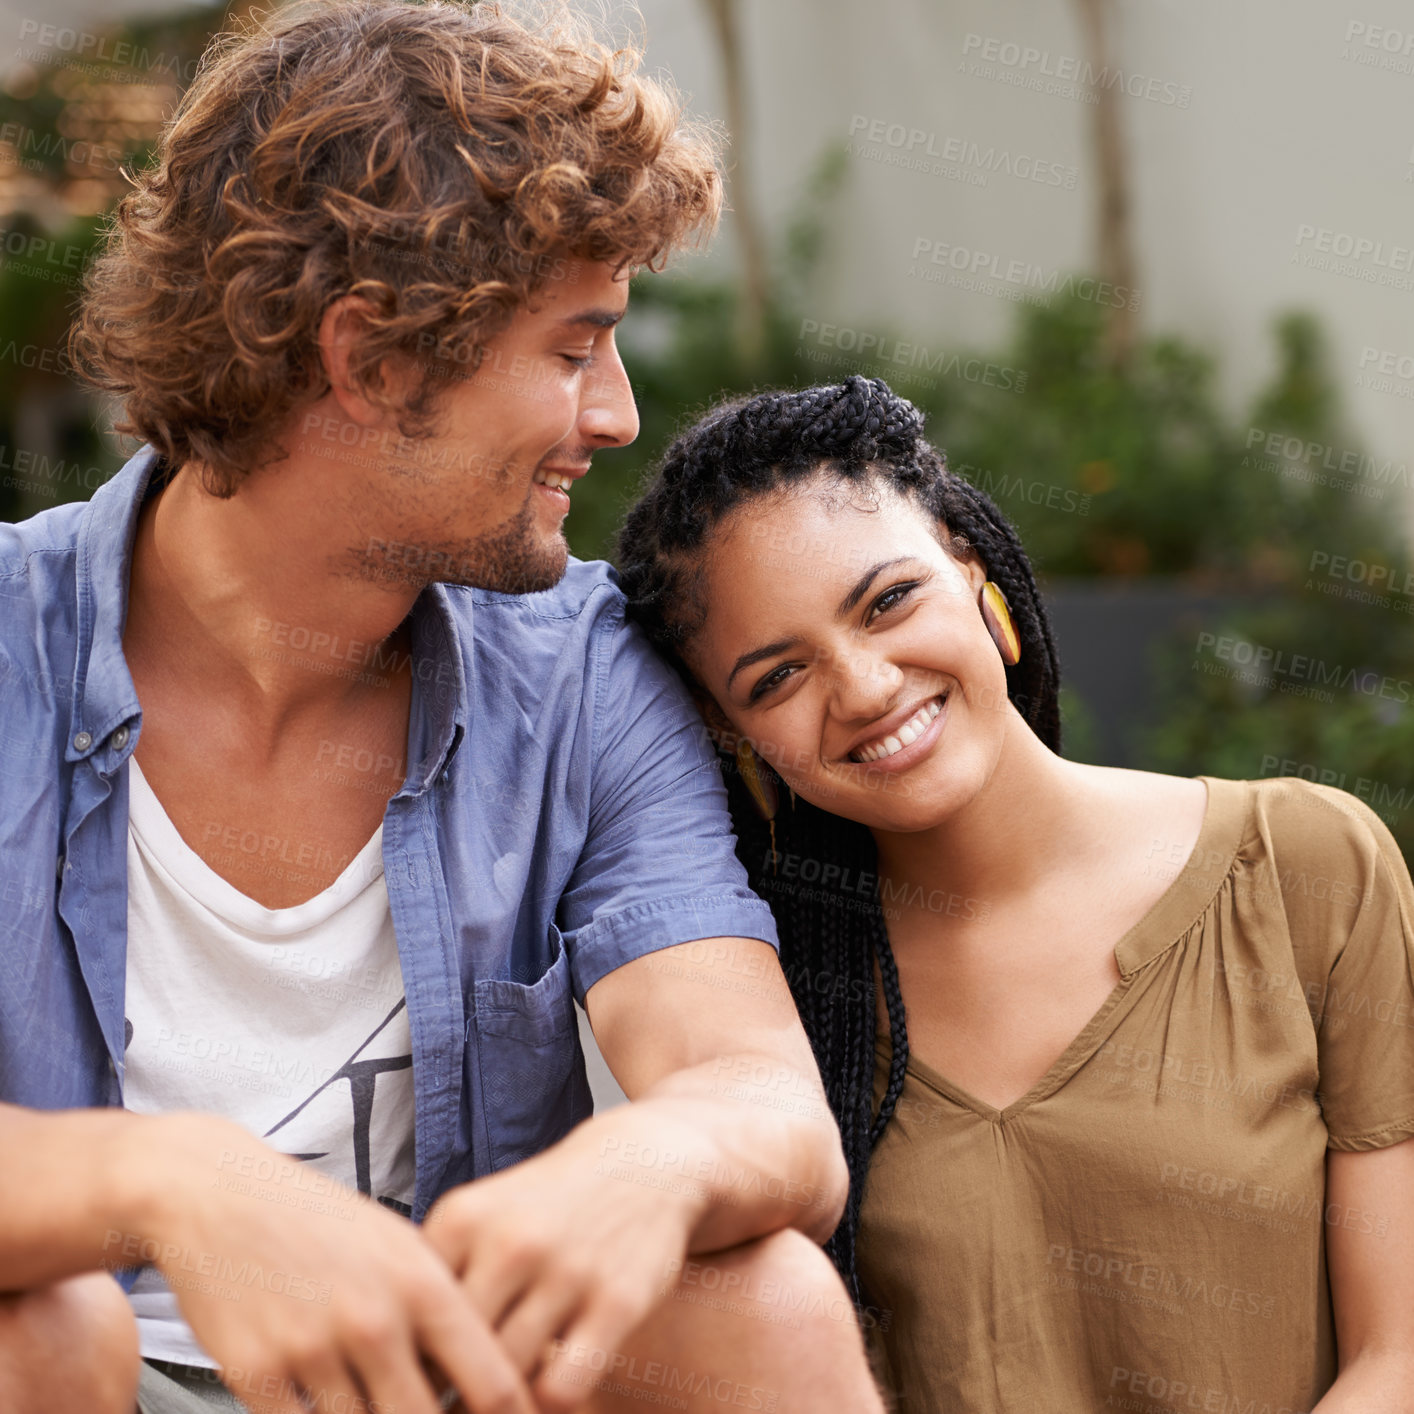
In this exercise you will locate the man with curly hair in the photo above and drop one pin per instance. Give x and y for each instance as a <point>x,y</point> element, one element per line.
<point>329,782</point>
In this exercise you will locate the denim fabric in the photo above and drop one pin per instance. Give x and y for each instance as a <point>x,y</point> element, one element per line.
<point>562,814</point>
<point>165,1388</point>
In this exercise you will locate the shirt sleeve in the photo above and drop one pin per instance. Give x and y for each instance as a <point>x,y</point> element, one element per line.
<point>659,864</point>
<point>1364,1011</point>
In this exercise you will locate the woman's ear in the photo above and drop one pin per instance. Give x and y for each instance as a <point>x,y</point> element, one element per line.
<point>719,729</point>
<point>968,561</point>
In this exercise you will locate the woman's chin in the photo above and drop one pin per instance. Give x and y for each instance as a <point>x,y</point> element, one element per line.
<point>896,805</point>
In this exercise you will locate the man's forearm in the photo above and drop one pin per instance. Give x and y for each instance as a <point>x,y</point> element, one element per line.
<point>71,1182</point>
<point>752,1138</point>
<point>58,1192</point>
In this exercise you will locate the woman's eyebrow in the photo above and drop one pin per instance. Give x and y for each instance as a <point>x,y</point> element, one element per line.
<point>860,589</point>
<point>757,654</point>
<point>865,580</point>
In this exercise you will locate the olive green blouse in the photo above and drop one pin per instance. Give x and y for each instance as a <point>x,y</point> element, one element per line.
<point>1145,1228</point>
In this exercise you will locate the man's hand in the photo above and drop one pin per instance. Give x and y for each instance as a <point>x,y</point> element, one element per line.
<point>573,1248</point>
<point>728,1138</point>
<point>296,1284</point>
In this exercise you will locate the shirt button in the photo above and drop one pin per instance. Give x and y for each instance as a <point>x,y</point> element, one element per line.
<point>82,741</point>
<point>119,739</point>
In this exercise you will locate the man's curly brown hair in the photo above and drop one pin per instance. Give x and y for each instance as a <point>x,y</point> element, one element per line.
<point>430,158</point>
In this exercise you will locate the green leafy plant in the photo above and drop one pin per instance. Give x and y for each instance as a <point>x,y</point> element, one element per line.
<point>1119,473</point>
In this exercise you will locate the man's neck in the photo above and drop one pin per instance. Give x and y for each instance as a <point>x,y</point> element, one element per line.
<point>248,595</point>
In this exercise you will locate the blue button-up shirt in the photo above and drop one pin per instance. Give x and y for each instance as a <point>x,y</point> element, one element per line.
<point>562,814</point>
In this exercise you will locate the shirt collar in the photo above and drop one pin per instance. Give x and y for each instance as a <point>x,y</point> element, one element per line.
<point>105,699</point>
<point>1194,887</point>
<point>439,692</point>
<point>104,695</point>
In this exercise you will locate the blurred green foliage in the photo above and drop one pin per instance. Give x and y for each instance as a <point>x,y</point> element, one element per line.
<point>78,107</point>
<point>1120,473</point>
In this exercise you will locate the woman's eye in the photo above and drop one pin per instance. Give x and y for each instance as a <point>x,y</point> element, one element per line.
<point>772,679</point>
<point>892,598</point>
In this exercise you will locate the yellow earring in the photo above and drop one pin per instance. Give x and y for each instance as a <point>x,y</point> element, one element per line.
<point>996,614</point>
<point>762,789</point>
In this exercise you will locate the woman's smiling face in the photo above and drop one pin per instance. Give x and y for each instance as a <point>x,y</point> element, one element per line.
<point>846,644</point>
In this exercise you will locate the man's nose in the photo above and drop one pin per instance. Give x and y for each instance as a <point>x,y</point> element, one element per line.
<point>608,416</point>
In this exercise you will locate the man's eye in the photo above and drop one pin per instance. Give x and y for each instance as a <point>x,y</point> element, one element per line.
<point>892,598</point>
<point>578,360</point>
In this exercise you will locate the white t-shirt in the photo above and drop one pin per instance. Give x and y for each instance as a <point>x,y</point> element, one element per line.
<point>289,1021</point>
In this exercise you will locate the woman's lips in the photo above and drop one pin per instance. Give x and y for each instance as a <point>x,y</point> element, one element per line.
<point>914,751</point>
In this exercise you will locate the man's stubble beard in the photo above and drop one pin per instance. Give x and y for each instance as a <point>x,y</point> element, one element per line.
<point>508,560</point>
<point>512,560</point>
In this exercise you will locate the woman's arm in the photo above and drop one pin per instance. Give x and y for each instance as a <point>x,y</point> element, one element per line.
<point>1370,1255</point>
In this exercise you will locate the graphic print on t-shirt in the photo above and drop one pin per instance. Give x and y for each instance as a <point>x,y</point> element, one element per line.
<point>291,1022</point>
<point>342,1120</point>
<point>362,1071</point>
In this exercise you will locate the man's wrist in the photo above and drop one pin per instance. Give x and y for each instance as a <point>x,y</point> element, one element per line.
<point>647,1144</point>
<point>663,1143</point>
<point>150,1162</point>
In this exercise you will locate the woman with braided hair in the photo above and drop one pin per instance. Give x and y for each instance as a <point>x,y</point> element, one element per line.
<point>1114,1055</point>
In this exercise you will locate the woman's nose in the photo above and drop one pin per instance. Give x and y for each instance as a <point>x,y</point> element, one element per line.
<point>864,684</point>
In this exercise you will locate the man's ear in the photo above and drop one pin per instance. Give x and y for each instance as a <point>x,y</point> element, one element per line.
<point>340,330</point>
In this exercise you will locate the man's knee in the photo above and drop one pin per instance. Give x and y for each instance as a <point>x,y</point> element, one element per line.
<point>777,1304</point>
<point>69,1346</point>
<point>789,1284</point>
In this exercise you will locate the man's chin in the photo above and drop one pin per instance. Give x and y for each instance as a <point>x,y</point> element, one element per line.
<point>526,571</point>
<point>530,583</point>
<point>510,560</point>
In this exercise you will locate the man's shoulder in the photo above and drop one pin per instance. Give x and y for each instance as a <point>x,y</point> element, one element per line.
<point>37,576</point>
<point>559,643</point>
<point>586,590</point>
<point>39,621</point>
<point>51,532</point>
<point>572,616</point>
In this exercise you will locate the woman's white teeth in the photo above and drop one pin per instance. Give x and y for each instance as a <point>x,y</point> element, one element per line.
<point>553,478</point>
<point>910,731</point>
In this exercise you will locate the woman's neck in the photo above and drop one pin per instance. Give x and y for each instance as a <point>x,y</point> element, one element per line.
<point>1027,820</point>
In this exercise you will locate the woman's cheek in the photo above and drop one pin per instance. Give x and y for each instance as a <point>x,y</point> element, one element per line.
<point>786,753</point>
<point>784,758</point>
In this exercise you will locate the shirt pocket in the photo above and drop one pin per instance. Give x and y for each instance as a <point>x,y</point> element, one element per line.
<point>533,1081</point>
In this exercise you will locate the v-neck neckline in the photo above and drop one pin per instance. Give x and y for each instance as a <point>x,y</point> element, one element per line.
<point>1163,924</point>
<point>1080,1049</point>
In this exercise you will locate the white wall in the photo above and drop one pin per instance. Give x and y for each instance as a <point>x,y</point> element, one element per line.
<point>1283,129</point>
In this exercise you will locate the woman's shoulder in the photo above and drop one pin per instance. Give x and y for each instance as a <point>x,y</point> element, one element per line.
<point>1325,845</point>
<point>1294,812</point>
<point>1335,878</point>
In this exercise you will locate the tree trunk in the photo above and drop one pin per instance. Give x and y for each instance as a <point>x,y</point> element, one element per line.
<point>1116,246</point>
<point>751,308</point>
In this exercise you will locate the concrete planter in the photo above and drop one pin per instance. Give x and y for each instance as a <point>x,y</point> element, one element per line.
<point>1108,631</point>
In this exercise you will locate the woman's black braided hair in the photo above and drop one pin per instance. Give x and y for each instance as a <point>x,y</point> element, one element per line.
<point>858,431</point>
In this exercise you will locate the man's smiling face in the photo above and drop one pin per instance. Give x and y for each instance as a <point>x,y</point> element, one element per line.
<point>483,500</point>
